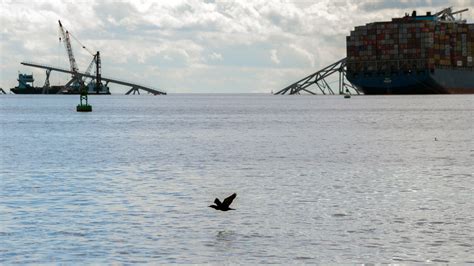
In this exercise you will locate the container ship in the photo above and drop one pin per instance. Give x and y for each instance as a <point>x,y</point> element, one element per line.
<point>415,54</point>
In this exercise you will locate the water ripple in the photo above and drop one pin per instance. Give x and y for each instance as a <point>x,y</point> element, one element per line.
<point>319,180</point>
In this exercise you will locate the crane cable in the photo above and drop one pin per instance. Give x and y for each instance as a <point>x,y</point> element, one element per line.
<point>83,46</point>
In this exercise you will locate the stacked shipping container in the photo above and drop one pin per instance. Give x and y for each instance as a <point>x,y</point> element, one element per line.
<point>410,44</point>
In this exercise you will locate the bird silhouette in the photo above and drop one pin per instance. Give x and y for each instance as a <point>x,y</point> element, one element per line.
<point>224,206</point>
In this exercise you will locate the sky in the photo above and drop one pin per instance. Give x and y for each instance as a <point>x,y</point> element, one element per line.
<point>191,46</point>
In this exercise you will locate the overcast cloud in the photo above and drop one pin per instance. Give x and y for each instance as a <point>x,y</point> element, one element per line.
<point>193,46</point>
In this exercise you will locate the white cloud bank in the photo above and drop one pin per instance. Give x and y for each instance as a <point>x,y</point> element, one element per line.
<point>190,45</point>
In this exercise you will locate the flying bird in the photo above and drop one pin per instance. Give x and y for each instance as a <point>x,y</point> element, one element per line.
<point>224,206</point>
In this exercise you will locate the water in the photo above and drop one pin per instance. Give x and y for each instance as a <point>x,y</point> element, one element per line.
<point>320,179</point>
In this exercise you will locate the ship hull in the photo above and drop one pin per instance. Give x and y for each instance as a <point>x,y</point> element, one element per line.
<point>52,90</point>
<point>438,81</point>
<point>34,90</point>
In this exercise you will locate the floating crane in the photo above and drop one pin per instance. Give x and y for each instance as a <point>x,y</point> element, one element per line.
<point>76,78</point>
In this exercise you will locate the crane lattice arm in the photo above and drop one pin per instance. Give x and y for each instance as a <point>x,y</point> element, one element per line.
<point>89,68</point>
<point>67,42</point>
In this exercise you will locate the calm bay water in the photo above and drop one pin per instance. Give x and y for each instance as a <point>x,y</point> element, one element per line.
<point>320,179</point>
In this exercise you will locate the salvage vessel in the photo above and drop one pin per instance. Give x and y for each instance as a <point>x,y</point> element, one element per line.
<point>26,86</point>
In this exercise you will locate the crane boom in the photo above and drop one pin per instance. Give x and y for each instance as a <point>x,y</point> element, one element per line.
<point>67,42</point>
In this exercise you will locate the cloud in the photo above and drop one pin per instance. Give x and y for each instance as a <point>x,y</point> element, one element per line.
<point>216,56</point>
<point>274,56</point>
<point>221,45</point>
<point>304,53</point>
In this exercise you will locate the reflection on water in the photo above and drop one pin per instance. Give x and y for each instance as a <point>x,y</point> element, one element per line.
<point>225,241</point>
<point>226,237</point>
<point>319,179</point>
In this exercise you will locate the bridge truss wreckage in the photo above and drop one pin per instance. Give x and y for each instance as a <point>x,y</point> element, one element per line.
<point>321,85</point>
<point>80,75</point>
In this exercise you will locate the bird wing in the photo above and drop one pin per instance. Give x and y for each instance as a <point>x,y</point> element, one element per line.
<point>217,202</point>
<point>229,200</point>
